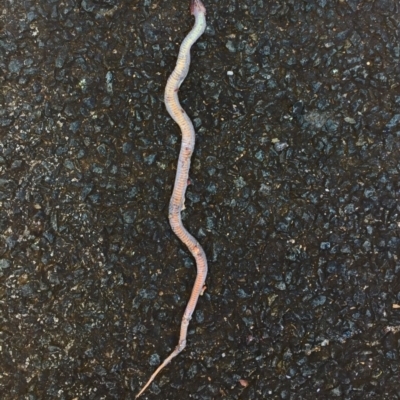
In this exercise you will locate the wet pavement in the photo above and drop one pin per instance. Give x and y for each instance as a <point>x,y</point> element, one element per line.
<point>294,197</point>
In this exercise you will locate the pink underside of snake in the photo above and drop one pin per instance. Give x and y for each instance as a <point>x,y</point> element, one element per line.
<point>178,194</point>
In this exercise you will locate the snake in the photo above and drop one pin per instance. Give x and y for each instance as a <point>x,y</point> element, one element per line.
<point>177,200</point>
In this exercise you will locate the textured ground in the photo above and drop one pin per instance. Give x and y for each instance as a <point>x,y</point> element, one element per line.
<point>294,196</point>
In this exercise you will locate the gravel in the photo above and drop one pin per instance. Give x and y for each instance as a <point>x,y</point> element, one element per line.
<point>293,193</point>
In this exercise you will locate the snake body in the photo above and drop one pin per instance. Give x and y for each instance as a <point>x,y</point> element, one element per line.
<point>182,174</point>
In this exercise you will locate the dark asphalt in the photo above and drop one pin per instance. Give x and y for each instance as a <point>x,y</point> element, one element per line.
<point>294,196</point>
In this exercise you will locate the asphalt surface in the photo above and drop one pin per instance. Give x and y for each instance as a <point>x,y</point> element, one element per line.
<point>294,196</point>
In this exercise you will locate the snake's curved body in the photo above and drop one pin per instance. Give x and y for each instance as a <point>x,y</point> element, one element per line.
<point>182,174</point>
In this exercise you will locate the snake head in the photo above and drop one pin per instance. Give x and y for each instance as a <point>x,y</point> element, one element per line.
<point>196,6</point>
